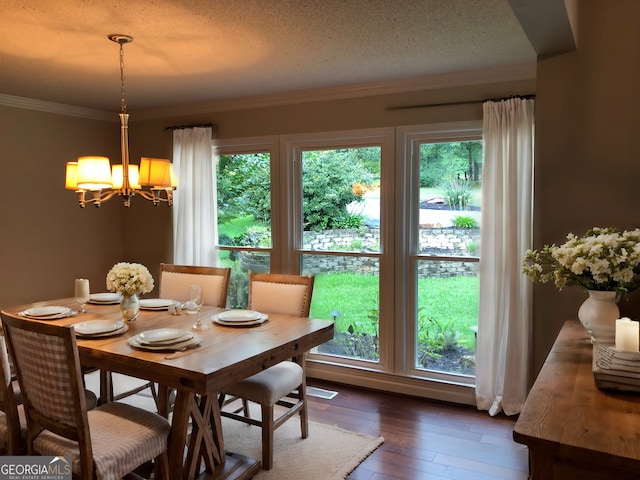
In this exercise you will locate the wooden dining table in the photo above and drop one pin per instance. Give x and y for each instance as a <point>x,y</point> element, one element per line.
<point>226,354</point>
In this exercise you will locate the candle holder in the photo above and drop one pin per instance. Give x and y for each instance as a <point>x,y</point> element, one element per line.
<point>615,369</point>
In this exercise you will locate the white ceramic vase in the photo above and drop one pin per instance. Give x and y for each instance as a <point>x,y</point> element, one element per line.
<point>598,314</point>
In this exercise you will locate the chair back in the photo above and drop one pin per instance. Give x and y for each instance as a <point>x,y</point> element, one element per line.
<point>10,430</point>
<point>46,361</point>
<point>175,281</point>
<point>280,293</point>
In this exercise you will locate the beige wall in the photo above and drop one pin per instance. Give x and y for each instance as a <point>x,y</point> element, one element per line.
<point>47,240</point>
<point>587,148</point>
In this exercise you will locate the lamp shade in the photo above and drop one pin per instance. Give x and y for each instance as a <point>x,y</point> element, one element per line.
<point>155,172</point>
<point>94,173</point>
<point>71,181</point>
<point>134,174</point>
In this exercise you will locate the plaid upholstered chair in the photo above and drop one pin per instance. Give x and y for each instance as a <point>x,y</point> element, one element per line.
<point>283,384</point>
<point>13,424</point>
<point>107,442</point>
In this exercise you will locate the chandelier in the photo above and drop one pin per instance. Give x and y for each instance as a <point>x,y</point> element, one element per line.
<point>96,181</point>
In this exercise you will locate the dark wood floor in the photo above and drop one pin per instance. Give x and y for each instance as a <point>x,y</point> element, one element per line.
<point>424,440</point>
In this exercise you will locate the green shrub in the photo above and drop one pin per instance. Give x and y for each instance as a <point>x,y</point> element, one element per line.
<point>457,192</point>
<point>465,222</point>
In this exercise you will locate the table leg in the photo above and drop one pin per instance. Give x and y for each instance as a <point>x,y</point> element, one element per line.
<point>540,464</point>
<point>179,428</point>
<point>205,442</point>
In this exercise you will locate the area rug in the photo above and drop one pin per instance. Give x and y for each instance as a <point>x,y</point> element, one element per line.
<point>328,453</point>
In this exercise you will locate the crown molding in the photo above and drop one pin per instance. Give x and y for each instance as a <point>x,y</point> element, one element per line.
<point>432,82</point>
<point>57,108</point>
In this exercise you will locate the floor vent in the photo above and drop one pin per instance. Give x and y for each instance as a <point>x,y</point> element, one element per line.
<point>321,393</point>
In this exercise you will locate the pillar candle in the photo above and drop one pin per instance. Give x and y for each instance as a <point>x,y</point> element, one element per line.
<point>627,335</point>
<point>82,288</point>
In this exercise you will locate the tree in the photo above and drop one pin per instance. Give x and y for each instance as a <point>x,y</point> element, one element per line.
<point>442,161</point>
<point>329,178</point>
<point>244,186</point>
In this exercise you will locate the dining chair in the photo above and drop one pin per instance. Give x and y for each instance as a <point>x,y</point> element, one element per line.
<point>107,442</point>
<point>283,384</point>
<point>175,282</point>
<point>13,424</point>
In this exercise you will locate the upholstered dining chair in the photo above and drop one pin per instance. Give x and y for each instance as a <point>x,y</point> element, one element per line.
<point>283,384</point>
<point>175,282</point>
<point>13,424</point>
<point>107,442</point>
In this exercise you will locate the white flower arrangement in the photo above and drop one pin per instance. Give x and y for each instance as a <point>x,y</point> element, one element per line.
<point>129,279</point>
<point>603,259</point>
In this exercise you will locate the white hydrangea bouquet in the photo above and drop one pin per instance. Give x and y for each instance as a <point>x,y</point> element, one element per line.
<point>129,279</point>
<point>603,259</point>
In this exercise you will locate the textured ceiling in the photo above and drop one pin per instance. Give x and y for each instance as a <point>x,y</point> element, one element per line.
<point>190,51</point>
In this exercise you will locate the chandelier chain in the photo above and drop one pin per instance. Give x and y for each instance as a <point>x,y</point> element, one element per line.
<point>123,99</point>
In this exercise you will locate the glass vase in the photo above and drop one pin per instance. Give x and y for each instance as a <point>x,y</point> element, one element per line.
<point>129,307</point>
<point>598,314</point>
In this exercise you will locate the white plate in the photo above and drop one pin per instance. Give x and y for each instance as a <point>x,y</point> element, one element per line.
<point>135,342</point>
<point>50,311</point>
<point>113,333</point>
<point>182,338</point>
<point>160,335</point>
<point>105,298</point>
<point>247,323</point>
<point>239,316</point>
<point>155,303</point>
<point>93,327</point>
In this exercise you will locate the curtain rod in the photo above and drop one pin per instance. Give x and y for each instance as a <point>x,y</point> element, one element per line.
<point>466,102</point>
<point>193,125</point>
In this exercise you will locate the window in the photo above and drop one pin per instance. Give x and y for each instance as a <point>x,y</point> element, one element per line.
<point>443,165</point>
<point>388,222</point>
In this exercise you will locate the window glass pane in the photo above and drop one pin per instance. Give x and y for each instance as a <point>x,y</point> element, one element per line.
<point>244,219</point>
<point>346,290</point>
<point>448,230</point>
<point>450,184</point>
<point>241,261</point>
<point>244,200</point>
<point>447,320</point>
<point>341,199</point>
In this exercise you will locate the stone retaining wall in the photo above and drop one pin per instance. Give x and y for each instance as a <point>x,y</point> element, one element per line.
<point>459,242</point>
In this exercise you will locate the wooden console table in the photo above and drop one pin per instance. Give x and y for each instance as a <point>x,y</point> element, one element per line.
<point>573,429</point>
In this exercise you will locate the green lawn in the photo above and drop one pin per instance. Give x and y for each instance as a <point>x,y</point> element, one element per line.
<point>451,302</point>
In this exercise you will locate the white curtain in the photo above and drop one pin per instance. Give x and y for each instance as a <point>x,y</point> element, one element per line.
<point>195,222</point>
<point>504,324</point>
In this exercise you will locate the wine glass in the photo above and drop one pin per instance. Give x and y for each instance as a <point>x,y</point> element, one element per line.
<point>195,299</point>
<point>82,293</point>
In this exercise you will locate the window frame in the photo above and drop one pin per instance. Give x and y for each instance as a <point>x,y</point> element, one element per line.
<point>408,197</point>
